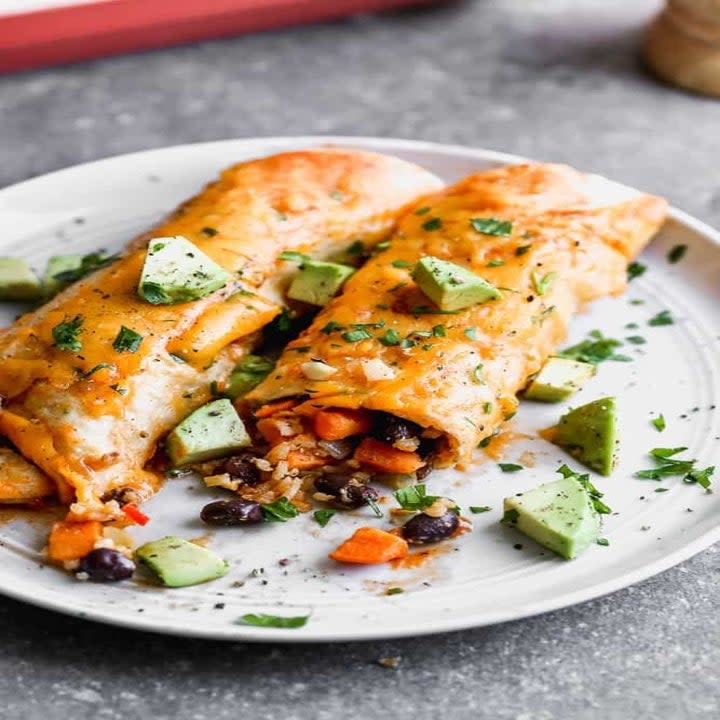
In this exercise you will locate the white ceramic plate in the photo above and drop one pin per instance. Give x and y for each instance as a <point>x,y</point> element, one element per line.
<point>490,575</point>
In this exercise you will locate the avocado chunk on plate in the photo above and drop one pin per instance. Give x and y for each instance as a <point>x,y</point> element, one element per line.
<point>318,282</point>
<point>558,515</point>
<point>18,281</point>
<point>248,373</point>
<point>176,271</point>
<point>589,434</point>
<point>558,380</point>
<point>212,431</point>
<point>179,563</point>
<point>56,265</point>
<point>452,287</point>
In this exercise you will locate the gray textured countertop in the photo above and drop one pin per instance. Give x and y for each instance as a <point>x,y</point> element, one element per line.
<point>552,80</point>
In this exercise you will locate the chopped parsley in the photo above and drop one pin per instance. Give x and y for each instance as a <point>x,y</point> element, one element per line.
<point>659,423</point>
<point>677,253</point>
<point>636,340</point>
<point>487,408</point>
<point>478,509</point>
<point>93,370</point>
<point>118,389</point>
<point>510,517</point>
<point>323,517</point>
<point>374,507</point>
<point>432,224</point>
<point>439,331</point>
<point>127,340</point>
<point>331,327</point>
<point>281,510</point>
<point>356,248</point>
<point>414,497</point>
<point>353,336</point>
<point>67,334</point>
<point>667,465</point>
<point>595,350</point>
<point>274,621</point>
<point>394,591</point>
<point>662,318</point>
<point>495,262</point>
<point>593,492</point>
<point>478,373</point>
<point>390,338</point>
<point>284,320</point>
<point>492,226</point>
<point>510,467</point>
<point>470,333</point>
<point>522,249</point>
<point>542,285</point>
<point>423,210</point>
<point>401,264</point>
<point>604,542</point>
<point>635,269</point>
<point>89,263</point>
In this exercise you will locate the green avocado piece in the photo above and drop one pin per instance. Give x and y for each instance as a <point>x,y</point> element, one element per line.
<point>55,265</point>
<point>248,373</point>
<point>18,281</point>
<point>176,271</point>
<point>589,433</point>
<point>559,379</point>
<point>558,515</point>
<point>210,432</point>
<point>179,563</point>
<point>451,286</point>
<point>318,282</point>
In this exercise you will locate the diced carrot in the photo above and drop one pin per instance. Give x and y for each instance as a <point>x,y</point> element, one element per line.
<point>136,515</point>
<point>270,429</point>
<point>369,546</point>
<point>276,407</point>
<point>73,540</point>
<point>381,456</point>
<point>303,460</point>
<point>340,423</point>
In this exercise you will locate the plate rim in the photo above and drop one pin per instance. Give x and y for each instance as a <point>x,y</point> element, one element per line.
<point>236,632</point>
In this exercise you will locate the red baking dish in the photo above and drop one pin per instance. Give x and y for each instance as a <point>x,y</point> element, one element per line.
<point>72,32</point>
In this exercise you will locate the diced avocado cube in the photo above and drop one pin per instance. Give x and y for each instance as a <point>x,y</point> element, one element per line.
<point>248,373</point>
<point>558,515</point>
<point>589,433</point>
<point>451,286</point>
<point>318,282</point>
<point>212,431</point>
<point>179,563</point>
<point>559,379</point>
<point>176,271</point>
<point>56,265</point>
<point>18,281</point>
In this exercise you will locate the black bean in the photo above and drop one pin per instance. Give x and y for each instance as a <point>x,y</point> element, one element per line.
<point>232,512</point>
<point>347,492</point>
<point>240,467</point>
<point>106,565</point>
<point>423,528</point>
<point>390,429</point>
<point>422,472</point>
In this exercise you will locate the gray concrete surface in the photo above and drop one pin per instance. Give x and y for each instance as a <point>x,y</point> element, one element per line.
<point>554,80</point>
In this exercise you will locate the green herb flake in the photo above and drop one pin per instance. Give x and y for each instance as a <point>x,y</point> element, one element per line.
<point>487,408</point>
<point>470,333</point>
<point>492,226</point>
<point>522,249</point>
<point>543,284</point>
<point>661,490</point>
<point>595,495</point>
<point>432,224</point>
<point>496,262</point>
<point>636,340</point>
<point>390,338</point>
<point>93,370</point>
<point>274,621</point>
<point>479,509</point>
<point>401,264</point>
<point>662,318</point>
<point>118,389</point>
<point>209,231</point>
<point>281,510</point>
<point>331,327</point>
<point>595,350</point>
<point>355,249</point>
<point>423,210</point>
<point>353,336</point>
<point>323,517</point>
<point>510,517</point>
<point>67,334</point>
<point>659,423</point>
<point>414,497</point>
<point>603,542</point>
<point>127,340</point>
<point>485,441</point>
<point>293,256</point>
<point>676,254</point>
<point>89,263</point>
<point>374,507</point>
<point>701,477</point>
<point>635,269</point>
<point>478,373</point>
<point>510,467</point>
<point>439,331</point>
<point>394,591</point>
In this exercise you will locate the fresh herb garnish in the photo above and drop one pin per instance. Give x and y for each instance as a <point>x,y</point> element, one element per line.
<point>593,492</point>
<point>677,253</point>
<point>274,621</point>
<point>478,373</point>
<point>118,389</point>
<point>390,338</point>
<point>662,318</point>
<point>284,320</point>
<point>522,249</point>
<point>127,340</point>
<point>510,517</point>
<point>353,336</point>
<point>701,477</point>
<point>432,224</point>
<point>470,333</point>
<point>659,423</point>
<point>67,334</point>
<point>439,331</point>
<point>374,507</point>
<point>89,263</point>
<point>667,465</point>
<point>495,263</point>
<point>401,264</point>
<point>635,269</point>
<point>492,226</point>
<point>423,210</point>
<point>487,408</point>
<point>604,542</point>
<point>93,370</point>
<point>543,284</point>
<point>292,256</point>
<point>510,467</point>
<point>595,350</point>
<point>636,340</point>
<point>331,327</point>
<point>394,591</point>
<point>414,497</point>
<point>323,517</point>
<point>356,248</point>
<point>281,510</point>
<point>478,509</point>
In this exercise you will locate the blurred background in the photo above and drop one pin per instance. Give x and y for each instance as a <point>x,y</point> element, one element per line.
<point>555,80</point>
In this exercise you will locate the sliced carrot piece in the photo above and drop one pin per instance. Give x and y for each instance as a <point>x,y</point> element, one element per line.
<point>381,456</point>
<point>303,460</point>
<point>340,423</point>
<point>73,540</point>
<point>370,546</point>
<point>276,407</point>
